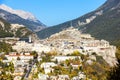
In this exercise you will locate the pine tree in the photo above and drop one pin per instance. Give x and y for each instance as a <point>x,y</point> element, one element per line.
<point>115,72</point>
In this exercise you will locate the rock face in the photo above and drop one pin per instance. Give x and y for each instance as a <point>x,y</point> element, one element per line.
<point>22,14</point>
<point>20,17</point>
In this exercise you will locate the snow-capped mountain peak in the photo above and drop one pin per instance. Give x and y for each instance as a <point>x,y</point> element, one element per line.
<point>21,13</point>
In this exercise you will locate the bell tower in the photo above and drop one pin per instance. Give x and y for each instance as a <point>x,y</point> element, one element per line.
<point>30,39</point>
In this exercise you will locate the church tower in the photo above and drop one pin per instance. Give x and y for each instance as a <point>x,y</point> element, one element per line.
<point>30,39</point>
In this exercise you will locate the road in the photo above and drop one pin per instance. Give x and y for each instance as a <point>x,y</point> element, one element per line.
<point>29,70</point>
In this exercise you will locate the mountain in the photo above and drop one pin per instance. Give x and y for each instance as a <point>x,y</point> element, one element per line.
<point>20,17</point>
<point>103,23</point>
<point>22,14</point>
<point>13,30</point>
<point>106,26</point>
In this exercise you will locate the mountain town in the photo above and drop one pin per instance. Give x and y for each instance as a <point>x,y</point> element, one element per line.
<point>85,48</point>
<point>60,57</point>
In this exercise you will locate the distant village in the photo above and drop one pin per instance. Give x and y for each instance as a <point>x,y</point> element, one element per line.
<point>58,57</point>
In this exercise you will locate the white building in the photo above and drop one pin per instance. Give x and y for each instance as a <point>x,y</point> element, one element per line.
<point>48,66</point>
<point>40,48</point>
<point>14,57</point>
<point>64,58</point>
<point>22,46</point>
<point>63,77</point>
<point>18,78</point>
<point>42,76</point>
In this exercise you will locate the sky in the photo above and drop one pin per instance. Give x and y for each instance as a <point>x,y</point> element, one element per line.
<point>53,12</point>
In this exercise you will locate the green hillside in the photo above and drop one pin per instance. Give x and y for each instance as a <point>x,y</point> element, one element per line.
<point>6,31</point>
<point>106,26</point>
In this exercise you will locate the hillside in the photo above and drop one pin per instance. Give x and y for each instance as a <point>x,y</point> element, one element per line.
<point>106,26</point>
<point>57,28</point>
<point>70,34</point>
<point>4,29</point>
<point>13,30</point>
<point>103,23</point>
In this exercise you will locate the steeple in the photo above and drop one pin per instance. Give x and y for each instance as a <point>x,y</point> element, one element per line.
<point>30,39</point>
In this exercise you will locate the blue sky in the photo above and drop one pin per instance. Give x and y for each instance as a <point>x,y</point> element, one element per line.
<point>53,12</point>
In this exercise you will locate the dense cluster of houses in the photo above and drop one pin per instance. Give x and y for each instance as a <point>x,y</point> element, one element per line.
<point>64,43</point>
<point>20,61</point>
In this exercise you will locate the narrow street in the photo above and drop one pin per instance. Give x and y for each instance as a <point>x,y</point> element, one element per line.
<point>29,70</point>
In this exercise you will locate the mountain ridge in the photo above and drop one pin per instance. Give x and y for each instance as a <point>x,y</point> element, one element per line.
<point>21,13</point>
<point>16,19</point>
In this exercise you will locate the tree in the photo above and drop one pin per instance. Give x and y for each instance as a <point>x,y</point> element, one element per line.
<point>56,61</point>
<point>5,58</point>
<point>4,47</point>
<point>25,70</point>
<point>114,74</point>
<point>11,67</point>
<point>75,53</point>
<point>68,62</point>
<point>35,54</point>
<point>30,61</point>
<point>35,75</point>
<point>6,68</point>
<point>18,58</point>
<point>70,69</point>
